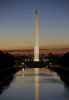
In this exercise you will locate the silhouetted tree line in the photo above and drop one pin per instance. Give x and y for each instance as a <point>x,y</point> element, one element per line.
<point>6,60</point>
<point>60,60</point>
<point>53,59</point>
<point>64,61</point>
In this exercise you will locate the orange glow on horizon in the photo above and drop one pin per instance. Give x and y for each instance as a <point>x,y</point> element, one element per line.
<point>41,52</point>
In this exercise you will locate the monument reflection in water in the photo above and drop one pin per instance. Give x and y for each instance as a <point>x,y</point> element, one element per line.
<point>36,82</point>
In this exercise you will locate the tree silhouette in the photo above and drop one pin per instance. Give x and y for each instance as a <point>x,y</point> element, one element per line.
<point>64,61</point>
<point>6,60</point>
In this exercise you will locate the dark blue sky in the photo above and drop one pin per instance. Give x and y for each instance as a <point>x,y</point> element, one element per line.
<point>17,23</point>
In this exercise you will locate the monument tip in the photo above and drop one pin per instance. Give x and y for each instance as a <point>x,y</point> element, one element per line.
<point>36,12</point>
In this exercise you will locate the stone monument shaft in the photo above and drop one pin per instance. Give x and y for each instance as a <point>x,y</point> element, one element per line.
<point>36,40</point>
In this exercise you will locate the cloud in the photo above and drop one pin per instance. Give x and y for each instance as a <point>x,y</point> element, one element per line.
<point>57,50</point>
<point>62,49</point>
<point>27,50</point>
<point>44,49</point>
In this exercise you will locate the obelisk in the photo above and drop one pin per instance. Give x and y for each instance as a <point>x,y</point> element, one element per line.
<point>36,40</point>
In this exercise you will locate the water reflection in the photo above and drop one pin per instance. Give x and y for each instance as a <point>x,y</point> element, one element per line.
<point>23,69</point>
<point>63,74</point>
<point>36,82</point>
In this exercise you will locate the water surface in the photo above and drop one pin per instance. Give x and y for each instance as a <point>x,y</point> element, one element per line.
<point>35,84</point>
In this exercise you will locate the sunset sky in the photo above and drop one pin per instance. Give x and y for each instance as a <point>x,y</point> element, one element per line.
<point>17,26</point>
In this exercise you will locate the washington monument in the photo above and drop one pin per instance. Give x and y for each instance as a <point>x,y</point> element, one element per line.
<point>36,40</point>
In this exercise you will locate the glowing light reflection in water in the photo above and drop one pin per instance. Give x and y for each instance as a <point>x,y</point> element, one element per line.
<point>36,82</point>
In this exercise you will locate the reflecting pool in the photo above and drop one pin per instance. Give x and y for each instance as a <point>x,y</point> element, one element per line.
<point>34,84</point>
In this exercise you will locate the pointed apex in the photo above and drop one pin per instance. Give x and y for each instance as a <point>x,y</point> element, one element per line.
<point>36,12</point>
